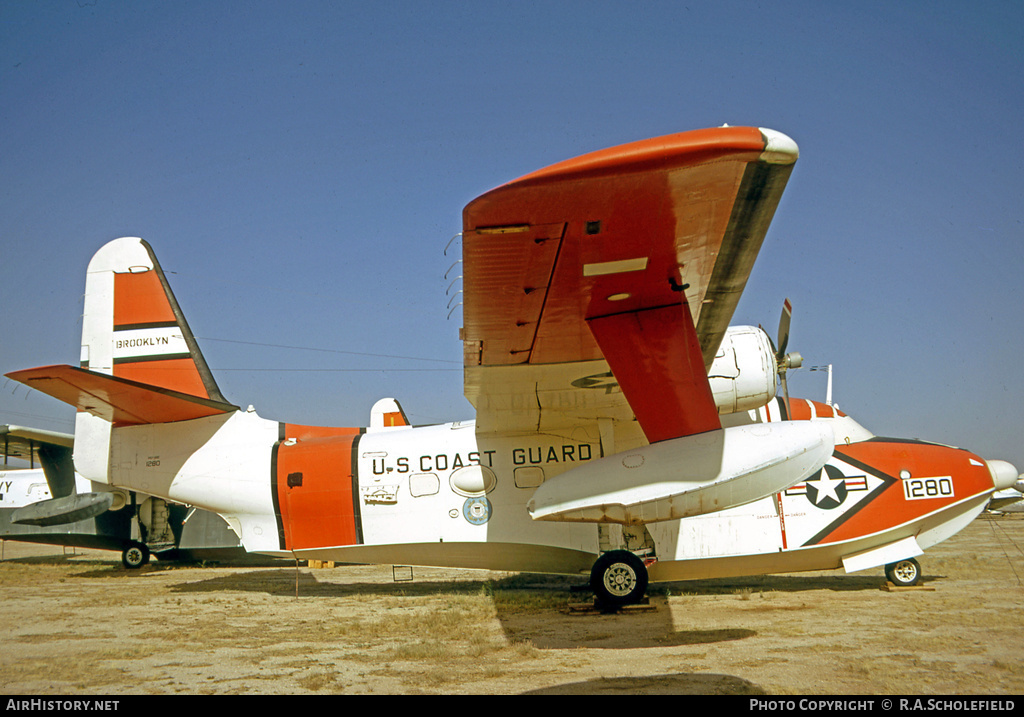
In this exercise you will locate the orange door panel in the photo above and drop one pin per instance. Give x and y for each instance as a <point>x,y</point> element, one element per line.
<point>316,491</point>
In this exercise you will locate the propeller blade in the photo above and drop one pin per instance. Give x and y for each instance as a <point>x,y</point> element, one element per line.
<point>785,395</point>
<point>787,316</point>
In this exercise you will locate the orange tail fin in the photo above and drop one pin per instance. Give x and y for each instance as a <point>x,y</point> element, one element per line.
<point>133,327</point>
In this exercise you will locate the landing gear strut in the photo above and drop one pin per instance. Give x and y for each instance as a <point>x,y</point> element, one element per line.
<point>618,578</point>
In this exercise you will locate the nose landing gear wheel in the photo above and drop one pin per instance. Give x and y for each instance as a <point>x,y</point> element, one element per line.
<point>903,573</point>
<point>135,556</point>
<point>618,578</point>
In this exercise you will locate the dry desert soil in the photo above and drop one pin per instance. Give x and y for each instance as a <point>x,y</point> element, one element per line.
<point>79,624</point>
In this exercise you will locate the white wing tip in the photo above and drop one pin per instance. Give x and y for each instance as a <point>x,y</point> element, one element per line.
<point>778,148</point>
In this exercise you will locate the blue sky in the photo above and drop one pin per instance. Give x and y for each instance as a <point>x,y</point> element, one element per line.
<point>299,168</point>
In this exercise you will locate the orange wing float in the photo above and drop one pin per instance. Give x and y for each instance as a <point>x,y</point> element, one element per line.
<point>631,259</point>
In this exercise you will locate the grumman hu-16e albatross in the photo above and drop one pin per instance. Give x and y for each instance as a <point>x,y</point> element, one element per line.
<point>623,428</point>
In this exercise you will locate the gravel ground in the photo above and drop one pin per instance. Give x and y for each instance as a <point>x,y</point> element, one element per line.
<point>80,624</point>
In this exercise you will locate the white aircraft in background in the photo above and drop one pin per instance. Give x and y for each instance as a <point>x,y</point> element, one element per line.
<point>624,430</point>
<point>1008,500</point>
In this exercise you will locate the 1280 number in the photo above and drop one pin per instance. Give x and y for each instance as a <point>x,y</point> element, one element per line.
<point>923,488</point>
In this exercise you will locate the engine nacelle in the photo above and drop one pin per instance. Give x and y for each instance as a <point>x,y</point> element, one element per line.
<point>744,371</point>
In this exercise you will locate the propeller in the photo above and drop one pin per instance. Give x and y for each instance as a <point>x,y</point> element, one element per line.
<point>783,360</point>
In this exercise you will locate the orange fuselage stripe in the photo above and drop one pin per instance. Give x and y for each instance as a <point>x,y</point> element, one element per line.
<point>315,483</point>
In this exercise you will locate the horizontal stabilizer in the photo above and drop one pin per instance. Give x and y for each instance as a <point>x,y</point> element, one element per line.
<point>118,400</point>
<point>687,476</point>
<point>60,511</point>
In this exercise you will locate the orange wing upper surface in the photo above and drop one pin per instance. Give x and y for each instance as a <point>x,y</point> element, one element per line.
<point>629,260</point>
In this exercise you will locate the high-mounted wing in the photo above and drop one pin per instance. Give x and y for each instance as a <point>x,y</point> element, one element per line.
<point>25,443</point>
<point>601,287</point>
<point>50,449</point>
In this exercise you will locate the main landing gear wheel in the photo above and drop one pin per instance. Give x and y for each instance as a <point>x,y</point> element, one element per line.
<point>135,556</point>
<point>618,578</point>
<point>903,573</point>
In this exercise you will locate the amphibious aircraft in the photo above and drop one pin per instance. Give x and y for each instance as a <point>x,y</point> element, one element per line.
<point>623,429</point>
<point>55,506</point>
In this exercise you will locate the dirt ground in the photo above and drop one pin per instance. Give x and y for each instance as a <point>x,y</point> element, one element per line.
<point>81,624</point>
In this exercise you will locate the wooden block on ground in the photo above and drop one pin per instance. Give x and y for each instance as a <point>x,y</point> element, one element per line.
<point>889,587</point>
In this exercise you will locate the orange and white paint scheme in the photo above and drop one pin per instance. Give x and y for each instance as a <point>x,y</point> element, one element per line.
<point>623,429</point>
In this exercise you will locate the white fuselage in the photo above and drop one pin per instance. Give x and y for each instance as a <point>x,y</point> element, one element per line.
<point>446,495</point>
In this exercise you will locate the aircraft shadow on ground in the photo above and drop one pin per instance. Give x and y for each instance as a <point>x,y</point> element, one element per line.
<point>56,560</point>
<point>90,567</point>
<point>109,567</point>
<point>525,611</point>
<point>605,633</point>
<point>684,684</point>
<point>285,581</point>
<point>282,581</point>
<point>535,608</point>
<point>779,583</point>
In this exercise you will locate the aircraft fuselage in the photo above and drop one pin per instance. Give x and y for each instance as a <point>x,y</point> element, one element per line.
<point>446,495</point>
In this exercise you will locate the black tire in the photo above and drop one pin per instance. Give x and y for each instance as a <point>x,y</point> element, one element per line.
<point>619,578</point>
<point>135,556</point>
<point>903,573</point>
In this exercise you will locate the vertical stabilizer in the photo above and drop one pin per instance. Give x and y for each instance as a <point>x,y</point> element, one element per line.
<point>387,413</point>
<point>133,327</point>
